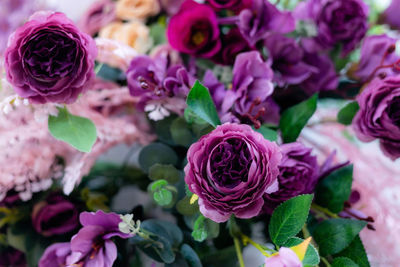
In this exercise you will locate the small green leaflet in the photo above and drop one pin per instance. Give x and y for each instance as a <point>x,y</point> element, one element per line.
<point>79,132</point>
<point>199,101</point>
<point>346,114</point>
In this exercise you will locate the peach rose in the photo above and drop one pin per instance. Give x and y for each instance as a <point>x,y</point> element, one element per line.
<point>137,9</point>
<point>134,34</point>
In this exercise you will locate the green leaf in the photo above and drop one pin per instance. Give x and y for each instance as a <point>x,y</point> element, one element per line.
<point>157,33</point>
<point>295,118</point>
<point>199,230</point>
<point>156,153</point>
<point>166,172</point>
<point>288,218</point>
<point>343,262</point>
<point>200,102</point>
<point>268,133</point>
<point>190,256</point>
<point>311,257</point>
<point>185,208</point>
<point>335,189</point>
<point>346,114</point>
<point>334,235</point>
<point>356,252</point>
<point>181,133</point>
<point>163,197</point>
<point>77,131</point>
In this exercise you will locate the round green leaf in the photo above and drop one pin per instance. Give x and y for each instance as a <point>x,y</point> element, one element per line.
<point>156,153</point>
<point>190,256</point>
<point>163,197</point>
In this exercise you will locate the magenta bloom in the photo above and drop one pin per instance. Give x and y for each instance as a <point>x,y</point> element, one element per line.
<point>99,14</point>
<point>342,22</point>
<point>91,246</point>
<point>285,258</point>
<point>234,5</point>
<point>379,115</point>
<point>194,30</point>
<point>12,257</point>
<point>263,17</point>
<point>287,60</point>
<point>298,174</point>
<point>391,14</point>
<point>230,169</point>
<point>377,50</point>
<point>49,60</point>
<point>54,216</point>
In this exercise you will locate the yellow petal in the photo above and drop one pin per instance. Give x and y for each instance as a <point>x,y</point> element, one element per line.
<point>193,199</point>
<point>301,248</point>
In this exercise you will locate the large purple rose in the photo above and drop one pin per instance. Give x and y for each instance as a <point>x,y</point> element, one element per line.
<point>230,169</point>
<point>55,216</point>
<point>377,51</point>
<point>342,22</point>
<point>298,174</point>
<point>49,60</point>
<point>391,14</point>
<point>379,115</point>
<point>194,30</point>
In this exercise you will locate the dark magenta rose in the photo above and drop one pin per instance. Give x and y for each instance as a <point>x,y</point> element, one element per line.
<point>55,216</point>
<point>10,257</point>
<point>194,30</point>
<point>49,59</point>
<point>391,14</point>
<point>342,22</point>
<point>234,5</point>
<point>233,44</point>
<point>379,115</point>
<point>298,174</point>
<point>230,169</point>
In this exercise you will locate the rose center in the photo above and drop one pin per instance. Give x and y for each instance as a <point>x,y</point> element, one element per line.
<point>394,111</point>
<point>230,163</point>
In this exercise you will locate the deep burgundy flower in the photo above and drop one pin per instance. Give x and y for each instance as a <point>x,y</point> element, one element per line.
<point>234,5</point>
<point>377,51</point>
<point>54,216</point>
<point>12,257</point>
<point>342,22</point>
<point>263,17</point>
<point>49,60</point>
<point>298,174</point>
<point>233,44</point>
<point>379,115</point>
<point>99,14</point>
<point>194,30</point>
<point>287,60</point>
<point>230,169</point>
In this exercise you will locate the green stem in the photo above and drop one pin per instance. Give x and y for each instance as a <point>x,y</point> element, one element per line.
<point>325,211</point>
<point>238,251</point>
<point>247,239</point>
<point>326,262</point>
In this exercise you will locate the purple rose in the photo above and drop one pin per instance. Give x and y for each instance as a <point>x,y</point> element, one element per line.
<point>49,60</point>
<point>251,87</point>
<point>91,246</point>
<point>391,14</point>
<point>99,14</point>
<point>11,257</point>
<point>263,17</point>
<point>233,44</point>
<point>194,30</point>
<point>230,169</point>
<point>342,22</point>
<point>55,216</point>
<point>287,60</point>
<point>323,78</point>
<point>379,115</point>
<point>234,5</point>
<point>298,174</point>
<point>377,51</point>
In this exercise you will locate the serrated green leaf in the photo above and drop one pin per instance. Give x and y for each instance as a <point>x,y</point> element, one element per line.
<point>295,118</point>
<point>356,252</point>
<point>156,153</point>
<point>346,114</point>
<point>311,257</point>
<point>288,218</point>
<point>79,132</point>
<point>190,256</point>
<point>268,133</point>
<point>332,191</point>
<point>343,262</point>
<point>334,235</point>
<point>200,102</point>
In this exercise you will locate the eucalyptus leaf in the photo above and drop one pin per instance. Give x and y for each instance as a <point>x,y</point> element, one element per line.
<point>79,132</point>
<point>185,208</point>
<point>295,118</point>
<point>156,153</point>
<point>191,256</point>
<point>164,171</point>
<point>288,218</point>
<point>181,133</point>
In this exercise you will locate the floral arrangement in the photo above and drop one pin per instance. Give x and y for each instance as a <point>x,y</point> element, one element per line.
<point>200,133</point>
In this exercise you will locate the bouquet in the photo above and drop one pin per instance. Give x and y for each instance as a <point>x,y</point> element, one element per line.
<point>200,133</point>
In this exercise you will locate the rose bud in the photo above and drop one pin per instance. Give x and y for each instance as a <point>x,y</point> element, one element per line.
<point>54,216</point>
<point>379,115</point>
<point>49,59</point>
<point>194,30</point>
<point>230,169</point>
